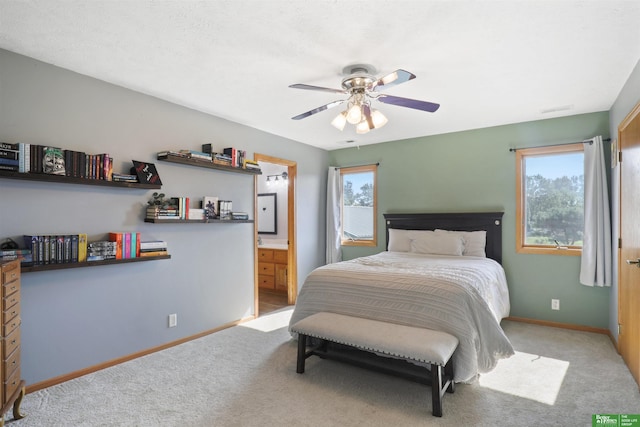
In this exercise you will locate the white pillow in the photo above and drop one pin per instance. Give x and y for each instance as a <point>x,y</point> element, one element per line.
<point>474,241</point>
<point>428,242</point>
<point>399,240</point>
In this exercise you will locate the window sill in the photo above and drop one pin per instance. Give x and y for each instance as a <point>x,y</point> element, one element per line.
<point>358,243</point>
<point>549,251</point>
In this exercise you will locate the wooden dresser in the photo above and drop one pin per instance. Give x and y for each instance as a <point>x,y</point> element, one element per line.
<point>12,387</point>
<point>272,269</point>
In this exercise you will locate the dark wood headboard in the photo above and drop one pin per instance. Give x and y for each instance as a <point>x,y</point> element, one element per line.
<point>473,221</point>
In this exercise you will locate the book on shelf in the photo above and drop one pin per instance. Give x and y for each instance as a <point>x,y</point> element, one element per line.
<point>197,214</point>
<point>237,156</point>
<point>224,209</point>
<point>55,249</point>
<point>82,247</point>
<point>117,237</point>
<point>153,253</point>
<point>23,255</point>
<point>153,245</point>
<point>123,177</point>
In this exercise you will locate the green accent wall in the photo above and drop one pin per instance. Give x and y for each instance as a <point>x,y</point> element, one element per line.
<point>475,171</point>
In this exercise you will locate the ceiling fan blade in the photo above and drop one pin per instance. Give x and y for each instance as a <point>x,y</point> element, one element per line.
<point>409,103</point>
<point>319,88</point>
<point>318,110</point>
<point>394,79</point>
<point>367,115</point>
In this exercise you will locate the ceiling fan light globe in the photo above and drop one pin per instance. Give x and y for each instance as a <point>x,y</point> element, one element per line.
<point>362,127</point>
<point>354,114</point>
<point>378,119</point>
<point>340,121</point>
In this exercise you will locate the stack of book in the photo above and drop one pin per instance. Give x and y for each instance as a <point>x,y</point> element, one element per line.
<point>251,165</point>
<point>101,250</point>
<point>222,159</point>
<point>177,208</point>
<point>24,255</point>
<point>56,249</point>
<point>239,215</point>
<point>124,177</point>
<point>10,159</point>
<point>196,155</point>
<point>153,248</point>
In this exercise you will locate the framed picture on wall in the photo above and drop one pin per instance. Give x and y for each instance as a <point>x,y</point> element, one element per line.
<point>267,213</point>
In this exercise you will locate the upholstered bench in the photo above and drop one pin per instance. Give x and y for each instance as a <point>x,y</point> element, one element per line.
<point>427,347</point>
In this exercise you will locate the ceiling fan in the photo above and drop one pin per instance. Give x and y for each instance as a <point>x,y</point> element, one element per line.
<point>362,87</point>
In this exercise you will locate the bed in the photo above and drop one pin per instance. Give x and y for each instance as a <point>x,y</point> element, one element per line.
<point>426,279</point>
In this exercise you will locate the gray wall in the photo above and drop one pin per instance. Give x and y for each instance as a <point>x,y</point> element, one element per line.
<point>474,171</point>
<point>628,98</point>
<point>73,319</point>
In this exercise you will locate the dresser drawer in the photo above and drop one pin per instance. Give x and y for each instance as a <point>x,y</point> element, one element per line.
<point>10,343</point>
<point>11,364</point>
<point>10,272</point>
<point>10,313</point>
<point>280,257</point>
<point>268,282</point>
<point>266,268</point>
<point>265,255</point>
<point>11,384</point>
<point>10,301</point>
<point>8,327</point>
<point>10,287</point>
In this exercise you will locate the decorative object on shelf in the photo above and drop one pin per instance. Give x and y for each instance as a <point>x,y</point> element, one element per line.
<point>146,172</point>
<point>53,161</point>
<point>224,209</point>
<point>267,213</point>
<point>210,206</point>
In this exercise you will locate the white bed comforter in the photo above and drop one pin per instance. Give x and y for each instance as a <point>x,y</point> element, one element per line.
<point>463,296</point>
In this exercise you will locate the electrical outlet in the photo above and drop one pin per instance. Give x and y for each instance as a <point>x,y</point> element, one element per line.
<point>173,320</point>
<point>555,304</point>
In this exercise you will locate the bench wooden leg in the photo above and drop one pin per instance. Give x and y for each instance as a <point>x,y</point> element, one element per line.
<point>302,349</point>
<point>436,390</point>
<point>448,372</point>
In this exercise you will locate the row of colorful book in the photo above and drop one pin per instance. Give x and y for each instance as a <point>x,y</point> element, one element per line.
<point>34,158</point>
<point>73,248</point>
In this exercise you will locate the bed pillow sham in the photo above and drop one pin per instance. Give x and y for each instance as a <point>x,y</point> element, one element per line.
<point>474,241</point>
<point>430,242</point>
<point>399,240</point>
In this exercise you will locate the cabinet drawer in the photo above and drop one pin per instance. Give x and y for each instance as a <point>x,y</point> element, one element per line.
<point>266,268</point>
<point>265,255</point>
<point>10,287</point>
<point>10,301</point>
<point>10,271</point>
<point>11,364</point>
<point>11,384</point>
<point>280,257</point>
<point>12,324</point>
<point>266,282</point>
<point>10,343</point>
<point>10,313</point>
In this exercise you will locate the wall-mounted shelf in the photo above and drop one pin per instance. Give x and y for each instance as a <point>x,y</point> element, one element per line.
<point>195,221</point>
<point>70,180</point>
<point>48,267</point>
<point>205,164</point>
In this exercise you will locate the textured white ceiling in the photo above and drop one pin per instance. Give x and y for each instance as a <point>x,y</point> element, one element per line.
<point>487,63</point>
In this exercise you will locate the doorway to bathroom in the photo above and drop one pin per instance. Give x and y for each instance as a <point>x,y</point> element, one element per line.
<point>275,247</point>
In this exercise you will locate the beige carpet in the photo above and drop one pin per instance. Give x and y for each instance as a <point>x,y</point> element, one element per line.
<point>245,376</point>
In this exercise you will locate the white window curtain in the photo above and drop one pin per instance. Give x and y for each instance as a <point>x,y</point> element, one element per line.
<point>596,263</point>
<point>334,197</point>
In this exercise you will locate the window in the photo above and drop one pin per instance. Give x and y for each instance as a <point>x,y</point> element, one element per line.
<point>358,207</point>
<point>550,200</point>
